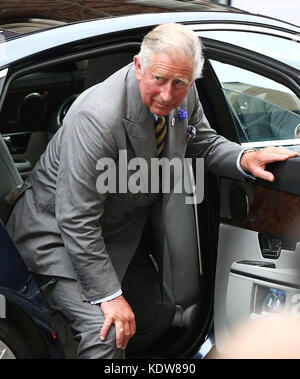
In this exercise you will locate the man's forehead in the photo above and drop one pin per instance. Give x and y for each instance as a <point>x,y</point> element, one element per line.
<point>172,57</point>
<point>171,64</point>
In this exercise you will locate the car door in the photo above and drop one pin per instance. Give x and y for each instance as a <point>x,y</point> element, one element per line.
<point>258,245</point>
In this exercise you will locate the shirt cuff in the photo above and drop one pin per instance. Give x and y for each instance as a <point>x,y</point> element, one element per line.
<point>238,165</point>
<point>107,298</point>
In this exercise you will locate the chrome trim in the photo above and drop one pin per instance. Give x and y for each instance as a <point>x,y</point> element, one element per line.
<point>206,348</point>
<point>285,142</point>
<point>3,73</point>
<point>194,197</point>
<point>198,236</point>
<point>245,28</point>
<point>5,352</point>
<point>2,306</point>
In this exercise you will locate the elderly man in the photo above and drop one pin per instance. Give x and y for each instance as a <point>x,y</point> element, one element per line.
<point>79,241</point>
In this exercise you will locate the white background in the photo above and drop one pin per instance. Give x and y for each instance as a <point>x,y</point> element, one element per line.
<point>286,10</point>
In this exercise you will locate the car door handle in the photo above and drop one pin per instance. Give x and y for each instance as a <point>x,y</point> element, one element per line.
<point>22,165</point>
<point>271,246</point>
<point>17,142</point>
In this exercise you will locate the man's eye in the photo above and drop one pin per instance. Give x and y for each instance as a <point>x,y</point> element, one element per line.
<point>179,83</point>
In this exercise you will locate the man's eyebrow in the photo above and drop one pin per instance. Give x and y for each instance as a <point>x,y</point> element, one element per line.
<point>164,76</point>
<point>157,73</point>
<point>185,81</point>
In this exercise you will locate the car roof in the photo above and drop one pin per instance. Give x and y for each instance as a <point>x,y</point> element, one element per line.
<point>24,16</point>
<point>32,43</point>
<point>6,35</point>
<point>79,10</point>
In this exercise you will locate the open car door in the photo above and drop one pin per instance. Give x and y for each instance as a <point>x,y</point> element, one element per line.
<point>259,230</point>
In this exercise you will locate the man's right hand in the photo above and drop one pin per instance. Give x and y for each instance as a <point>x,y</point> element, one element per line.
<point>119,313</point>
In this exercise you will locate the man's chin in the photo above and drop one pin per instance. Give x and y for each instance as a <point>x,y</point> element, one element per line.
<point>161,110</point>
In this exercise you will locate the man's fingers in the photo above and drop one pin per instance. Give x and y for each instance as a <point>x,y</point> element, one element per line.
<point>127,335</point>
<point>120,332</point>
<point>278,153</point>
<point>275,157</point>
<point>289,152</point>
<point>263,174</point>
<point>105,328</point>
<point>132,326</point>
<point>118,312</point>
<point>255,162</point>
<point>124,331</point>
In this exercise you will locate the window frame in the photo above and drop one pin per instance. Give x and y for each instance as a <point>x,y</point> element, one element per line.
<point>257,104</point>
<point>257,63</point>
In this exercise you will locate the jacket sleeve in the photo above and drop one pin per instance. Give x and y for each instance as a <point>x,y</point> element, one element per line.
<point>79,205</point>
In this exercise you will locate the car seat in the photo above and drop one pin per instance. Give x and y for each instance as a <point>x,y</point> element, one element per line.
<point>10,181</point>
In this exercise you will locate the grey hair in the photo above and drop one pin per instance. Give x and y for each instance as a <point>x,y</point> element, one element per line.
<point>169,36</point>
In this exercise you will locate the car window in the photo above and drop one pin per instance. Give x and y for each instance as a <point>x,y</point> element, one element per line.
<point>36,102</point>
<point>272,46</point>
<point>263,109</point>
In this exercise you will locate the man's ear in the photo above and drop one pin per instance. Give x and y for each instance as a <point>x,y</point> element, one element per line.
<point>138,68</point>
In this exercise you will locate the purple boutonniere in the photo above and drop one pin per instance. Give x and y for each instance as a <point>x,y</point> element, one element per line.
<point>182,114</point>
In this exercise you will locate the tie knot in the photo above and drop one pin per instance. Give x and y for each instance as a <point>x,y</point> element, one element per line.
<point>159,123</point>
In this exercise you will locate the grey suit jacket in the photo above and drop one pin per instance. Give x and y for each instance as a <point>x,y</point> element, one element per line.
<point>61,224</point>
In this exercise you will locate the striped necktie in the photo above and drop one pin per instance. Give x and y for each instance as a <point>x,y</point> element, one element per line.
<point>160,134</point>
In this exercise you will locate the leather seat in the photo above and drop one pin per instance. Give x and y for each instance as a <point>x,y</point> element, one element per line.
<point>100,68</point>
<point>10,181</point>
<point>177,253</point>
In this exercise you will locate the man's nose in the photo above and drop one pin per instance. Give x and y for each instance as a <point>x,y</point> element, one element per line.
<point>166,92</point>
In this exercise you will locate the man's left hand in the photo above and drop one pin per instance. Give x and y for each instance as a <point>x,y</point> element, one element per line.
<point>255,162</point>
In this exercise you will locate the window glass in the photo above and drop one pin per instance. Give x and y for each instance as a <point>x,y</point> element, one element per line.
<point>271,46</point>
<point>263,109</point>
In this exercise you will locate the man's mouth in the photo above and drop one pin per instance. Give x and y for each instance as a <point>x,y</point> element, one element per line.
<point>163,106</point>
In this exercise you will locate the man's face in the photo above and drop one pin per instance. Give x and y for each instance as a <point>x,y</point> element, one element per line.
<point>165,83</point>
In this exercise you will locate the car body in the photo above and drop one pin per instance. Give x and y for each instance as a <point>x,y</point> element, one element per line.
<point>223,254</point>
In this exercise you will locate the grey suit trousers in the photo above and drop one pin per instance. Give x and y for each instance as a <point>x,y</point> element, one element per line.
<point>141,288</point>
<point>85,319</point>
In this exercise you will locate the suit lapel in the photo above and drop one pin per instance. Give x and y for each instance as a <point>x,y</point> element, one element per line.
<point>138,123</point>
<point>142,137</point>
